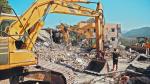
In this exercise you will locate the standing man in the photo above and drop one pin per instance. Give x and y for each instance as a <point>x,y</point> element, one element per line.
<point>115,56</point>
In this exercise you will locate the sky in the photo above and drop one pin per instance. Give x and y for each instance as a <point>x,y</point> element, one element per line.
<point>131,14</point>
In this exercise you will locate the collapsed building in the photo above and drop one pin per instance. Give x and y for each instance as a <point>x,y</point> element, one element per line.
<point>133,70</point>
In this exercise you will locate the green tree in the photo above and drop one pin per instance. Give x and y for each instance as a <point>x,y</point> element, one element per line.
<point>5,6</point>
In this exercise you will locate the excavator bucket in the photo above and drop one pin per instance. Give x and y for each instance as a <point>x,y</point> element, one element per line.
<point>96,65</point>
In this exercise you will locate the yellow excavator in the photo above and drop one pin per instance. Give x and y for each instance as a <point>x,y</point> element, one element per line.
<point>16,54</point>
<point>87,30</point>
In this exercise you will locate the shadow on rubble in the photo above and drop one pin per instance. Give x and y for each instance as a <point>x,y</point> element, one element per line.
<point>138,72</point>
<point>138,75</point>
<point>96,65</point>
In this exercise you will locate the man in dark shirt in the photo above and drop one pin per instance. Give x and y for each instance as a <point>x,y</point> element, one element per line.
<point>115,56</point>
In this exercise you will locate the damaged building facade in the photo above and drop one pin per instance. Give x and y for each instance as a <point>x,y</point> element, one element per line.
<point>112,33</point>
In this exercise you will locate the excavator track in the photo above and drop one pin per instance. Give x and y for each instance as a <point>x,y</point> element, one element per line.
<point>66,72</point>
<point>54,73</point>
<point>43,73</point>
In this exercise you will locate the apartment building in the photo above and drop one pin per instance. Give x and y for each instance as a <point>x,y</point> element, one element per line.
<point>112,34</point>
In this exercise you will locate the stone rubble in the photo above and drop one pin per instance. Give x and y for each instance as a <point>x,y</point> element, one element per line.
<point>59,54</point>
<point>75,58</point>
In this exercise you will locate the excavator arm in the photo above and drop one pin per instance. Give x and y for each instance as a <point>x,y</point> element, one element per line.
<point>73,9</point>
<point>29,20</point>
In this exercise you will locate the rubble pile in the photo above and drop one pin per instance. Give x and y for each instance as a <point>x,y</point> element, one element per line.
<point>58,53</point>
<point>77,59</point>
<point>138,71</point>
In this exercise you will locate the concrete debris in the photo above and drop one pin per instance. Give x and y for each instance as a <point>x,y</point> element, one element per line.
<point>77,59</point>
<point>59,54</point>
<point>44,35</point>
<point>137,71</point>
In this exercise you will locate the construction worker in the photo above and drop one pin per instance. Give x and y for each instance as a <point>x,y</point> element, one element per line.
<point>115,56</point>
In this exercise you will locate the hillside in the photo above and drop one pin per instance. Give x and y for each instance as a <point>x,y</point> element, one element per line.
<point>141,32</point>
